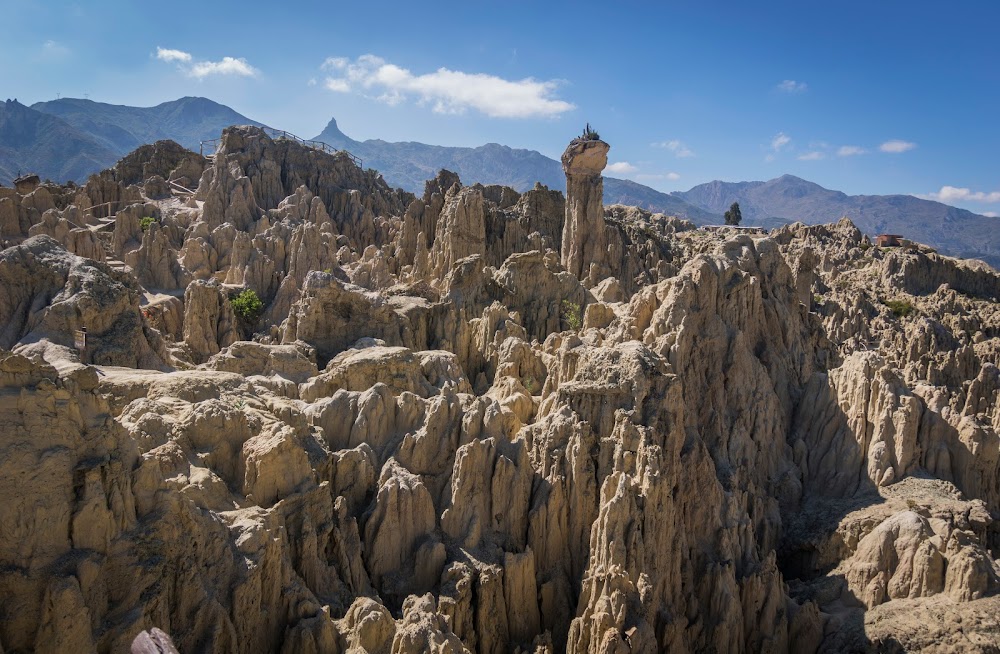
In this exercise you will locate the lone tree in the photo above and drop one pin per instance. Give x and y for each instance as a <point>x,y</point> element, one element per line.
<point>733,216</point>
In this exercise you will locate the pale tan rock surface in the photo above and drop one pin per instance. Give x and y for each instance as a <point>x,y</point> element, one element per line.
<point>481,421</point>
<point>584,241</point>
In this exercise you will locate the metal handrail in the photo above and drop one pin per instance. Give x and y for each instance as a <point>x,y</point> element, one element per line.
<point>315,145</point>
<point>282,134</point>
<point>178,186</point>
<point>214,143</point>
<point>103,204</point>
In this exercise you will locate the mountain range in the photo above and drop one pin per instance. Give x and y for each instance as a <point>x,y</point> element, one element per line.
<point>69,139</point>
<point>409,164</point>
<point>121,128</point>
<point>789,198</point>
<point>32,141</point>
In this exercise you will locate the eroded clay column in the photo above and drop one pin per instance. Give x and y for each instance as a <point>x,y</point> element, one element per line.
<point>584,242</point>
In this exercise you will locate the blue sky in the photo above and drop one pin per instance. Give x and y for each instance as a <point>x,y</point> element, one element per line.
<point>865,97</point>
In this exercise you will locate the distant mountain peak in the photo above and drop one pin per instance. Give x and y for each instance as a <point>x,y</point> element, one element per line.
<point>332,129</point>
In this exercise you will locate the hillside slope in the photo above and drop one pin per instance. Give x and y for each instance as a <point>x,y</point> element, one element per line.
<point>122,128</point>
<point>32,141</point>
<point>789,199</point>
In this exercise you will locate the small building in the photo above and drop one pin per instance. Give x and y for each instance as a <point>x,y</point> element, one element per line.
<point>888,240</point>
<point>26,183</point>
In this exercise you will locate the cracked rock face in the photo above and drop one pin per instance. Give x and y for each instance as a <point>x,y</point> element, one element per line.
<point>481,421</point>
<point>584,242</point>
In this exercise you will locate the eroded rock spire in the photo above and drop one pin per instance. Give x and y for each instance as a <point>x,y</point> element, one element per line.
<point>584,243</point>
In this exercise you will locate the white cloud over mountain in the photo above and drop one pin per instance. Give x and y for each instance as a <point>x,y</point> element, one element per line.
<point>680,150</point>
<point>897,146</point>
<point>621,168</point>
<point>949,194</point>
<point>446,91</point>
<point>237,66</point>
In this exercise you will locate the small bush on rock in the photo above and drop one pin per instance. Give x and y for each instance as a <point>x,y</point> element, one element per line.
<point>900,308</point>
<point>571,315</point>
<point>247,306</point>
<point>146,222</point>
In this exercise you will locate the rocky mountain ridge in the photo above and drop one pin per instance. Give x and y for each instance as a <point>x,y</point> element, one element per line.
<point>93,135</point>
<point>480,420</point>
<point>121,128</point>
<point>33,142</point>
<point>788,198</point>
<point>409,164</point>
<point>70,139</point>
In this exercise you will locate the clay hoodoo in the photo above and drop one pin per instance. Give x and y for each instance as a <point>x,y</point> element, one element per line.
<point>584,242</point>
<point>314,413</point>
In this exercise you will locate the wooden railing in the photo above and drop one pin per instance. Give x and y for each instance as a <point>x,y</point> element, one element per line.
<point>178,187</point>
<point>91,208</point>
<point>213,145</point>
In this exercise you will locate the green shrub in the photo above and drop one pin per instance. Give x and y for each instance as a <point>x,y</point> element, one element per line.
<point>589,134</point>
<point>900,308</point>
<point>865,246</point>
<point>571,315</point>
<point>247,306</point>
<point>146,222</point>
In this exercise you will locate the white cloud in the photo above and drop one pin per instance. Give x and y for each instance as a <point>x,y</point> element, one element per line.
<point>811,156</point>
<point>680,150</point>
<point>850,150</point>
<point>896,146</point>
<point>228,66</point>
<point>779,141</point>
<point>201,69</point>
<point>621,168</point>
<point>334,63</point>
<point>955,194</point>
<point>339,85</point>
<point>791,86</point>
<point>166,54</point>
<point>670,177</point>
<point>54,50</point>
<point>447,91</point>
<point>991,214</point>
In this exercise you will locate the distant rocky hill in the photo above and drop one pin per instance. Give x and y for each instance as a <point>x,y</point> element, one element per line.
<point>789,199</point>
<point>69,139</point>
<point>409,164</point>
<point>89,136</point>
<point>123,129</point>
<point>32,141</point>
